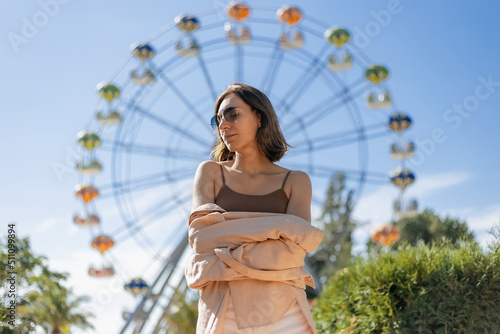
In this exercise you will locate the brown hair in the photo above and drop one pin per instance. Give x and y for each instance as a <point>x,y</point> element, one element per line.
<point>270,139</point>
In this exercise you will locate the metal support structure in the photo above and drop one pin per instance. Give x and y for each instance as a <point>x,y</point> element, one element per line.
<point>142,312</point>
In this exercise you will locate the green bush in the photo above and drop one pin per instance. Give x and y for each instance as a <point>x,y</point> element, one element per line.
<point>438,288</point>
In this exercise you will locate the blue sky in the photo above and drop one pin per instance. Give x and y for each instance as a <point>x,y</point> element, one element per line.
<point>440,54</point>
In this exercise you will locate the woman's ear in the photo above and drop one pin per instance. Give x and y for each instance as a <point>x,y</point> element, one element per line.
<point>260,118</point>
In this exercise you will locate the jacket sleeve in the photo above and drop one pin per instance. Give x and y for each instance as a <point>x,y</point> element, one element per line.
<point>236,231</point>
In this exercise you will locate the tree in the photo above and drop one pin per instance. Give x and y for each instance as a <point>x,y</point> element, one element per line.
<point>42,302</point>
<point>184,314</point>
<point>428,227</point>
<point>334,252</point>
<point>55,308</point>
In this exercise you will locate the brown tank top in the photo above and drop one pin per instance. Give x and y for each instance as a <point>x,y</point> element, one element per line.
<point>230,200</point>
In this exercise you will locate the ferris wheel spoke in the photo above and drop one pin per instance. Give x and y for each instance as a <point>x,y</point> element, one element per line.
<point>345,95</point>
<point>156,180</point>
<point>353,176</point>
<point>239,63</point>
<point>190,136</point>
<point>316,113</point>
<point>313,113</point>
<point>147,182</point>
<point>305,84</point>
<point>360,84</point>
<point>159,92</point>
<point>207,77</point>
<point>139,236</point>
<point>343,137</point>
<point>137,231</point>
<point>318,64</point>
<point>149,215</point>
<point>160,214</point>
<point>323,109</point>
<point>179,230</point>
<point>347,92</point>
<point>360,177</point>
<point>145,242</point>
<point>153,150</point>
<point>272,69</point>
<point>304,80</point>
<point>353,49</point>
<point>376,180</point>
<point>198,116</point>
<point>328,171</point>
<point>355,88</point>
<point>339,98</point>
<point>329,141</point>
<point>159,210</point>
<point>312,31</point>
<point>173,201</point>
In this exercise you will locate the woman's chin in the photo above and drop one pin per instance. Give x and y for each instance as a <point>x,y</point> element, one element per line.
<point>231,147</point>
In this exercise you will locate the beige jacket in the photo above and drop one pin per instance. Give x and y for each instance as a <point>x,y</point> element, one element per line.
<point>255,258</point>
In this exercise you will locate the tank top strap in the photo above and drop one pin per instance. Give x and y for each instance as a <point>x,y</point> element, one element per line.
<point>222,173</point>
<point>284,181</point>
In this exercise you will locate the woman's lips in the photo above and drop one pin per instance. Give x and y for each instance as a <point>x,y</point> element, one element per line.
<point>226,138</point>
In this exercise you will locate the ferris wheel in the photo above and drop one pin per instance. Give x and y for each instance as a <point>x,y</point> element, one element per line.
<point>150,126</point>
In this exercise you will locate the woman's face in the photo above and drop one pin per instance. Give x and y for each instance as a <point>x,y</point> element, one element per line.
<point>241,133</point>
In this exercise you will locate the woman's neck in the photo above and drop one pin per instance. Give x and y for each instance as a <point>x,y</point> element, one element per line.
<point>250,163</point>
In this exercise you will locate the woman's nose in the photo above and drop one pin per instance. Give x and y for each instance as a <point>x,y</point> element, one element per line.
<point>223,124</point>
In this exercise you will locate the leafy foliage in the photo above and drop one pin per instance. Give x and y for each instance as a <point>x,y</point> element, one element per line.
<point>435,288</point>
<point>334,253</point>
<point>427,227</point>
<point>183,318</point>
<point>42,302</point>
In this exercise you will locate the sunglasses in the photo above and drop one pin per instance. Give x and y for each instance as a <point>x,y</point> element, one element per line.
<point>228,114</point>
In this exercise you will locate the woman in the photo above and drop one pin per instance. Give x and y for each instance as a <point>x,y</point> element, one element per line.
<point>244,176</point>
